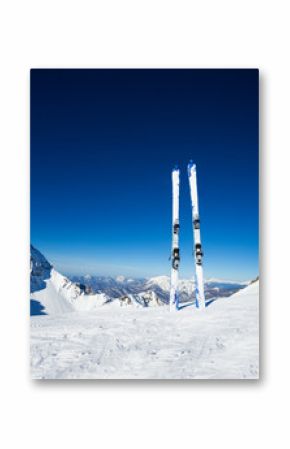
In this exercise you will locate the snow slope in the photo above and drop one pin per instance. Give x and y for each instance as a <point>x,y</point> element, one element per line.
<point>60,295</point>
<point>221,342</point>
<point>54,294</point>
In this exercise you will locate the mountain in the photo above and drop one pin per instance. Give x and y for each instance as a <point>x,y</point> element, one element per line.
<point>120,286</point>
<point>113,287</point>
<point>52,293</point>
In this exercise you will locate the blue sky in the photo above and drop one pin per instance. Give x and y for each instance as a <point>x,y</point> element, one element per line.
<point>103,144</point>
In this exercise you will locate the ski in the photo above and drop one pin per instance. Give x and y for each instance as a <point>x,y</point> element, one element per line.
<point>175,256</point>
<point>197,249</point>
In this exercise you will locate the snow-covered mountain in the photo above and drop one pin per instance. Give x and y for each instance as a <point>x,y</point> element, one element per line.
<point>119,286</point>
<point>113,287</point>
<point>52,293</point>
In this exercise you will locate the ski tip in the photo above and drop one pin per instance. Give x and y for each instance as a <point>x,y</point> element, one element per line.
<point>176,168</point>
<point>191,166</point>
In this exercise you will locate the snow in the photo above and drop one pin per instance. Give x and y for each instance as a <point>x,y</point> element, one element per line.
<point>53,297</point>
<point>187,285</point>
<point>163,282</point>
<point>75,335</point>
<point>54,294</point>
<point>220,342</point>
<point>120,278</point>
<point>60,295</point>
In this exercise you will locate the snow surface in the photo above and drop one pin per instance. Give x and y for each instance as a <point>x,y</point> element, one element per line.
<point>60,295</point>
<point>109,342</point>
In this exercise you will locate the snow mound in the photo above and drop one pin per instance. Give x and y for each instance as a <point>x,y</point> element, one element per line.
<point>248,296</point>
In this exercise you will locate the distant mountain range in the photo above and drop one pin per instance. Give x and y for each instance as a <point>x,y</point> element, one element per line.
<point>52,293</point>
<point>116,287</point>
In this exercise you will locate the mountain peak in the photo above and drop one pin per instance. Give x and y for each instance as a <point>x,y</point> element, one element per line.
<point>40,269</point>
<point>120,278</point>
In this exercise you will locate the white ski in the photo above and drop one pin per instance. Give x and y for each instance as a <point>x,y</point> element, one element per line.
<point>197,250</point>
<point>175,257</point>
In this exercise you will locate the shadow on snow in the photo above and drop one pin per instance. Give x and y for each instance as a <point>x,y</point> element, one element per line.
<point>188,304</point>
<point>36,308</point>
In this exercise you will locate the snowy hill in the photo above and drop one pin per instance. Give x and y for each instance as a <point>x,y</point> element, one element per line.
<point>221,342</point>
<point>247,298</point>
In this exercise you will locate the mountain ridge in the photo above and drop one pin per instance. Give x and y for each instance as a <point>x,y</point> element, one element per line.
<point>54,293</point>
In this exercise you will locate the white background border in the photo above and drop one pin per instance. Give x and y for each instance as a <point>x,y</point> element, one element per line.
<point>144,34</point>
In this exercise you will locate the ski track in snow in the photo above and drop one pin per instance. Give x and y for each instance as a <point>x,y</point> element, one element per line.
<point>220,342</point>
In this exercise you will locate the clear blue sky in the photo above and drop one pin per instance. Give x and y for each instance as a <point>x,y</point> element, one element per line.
<point>103,144</point>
